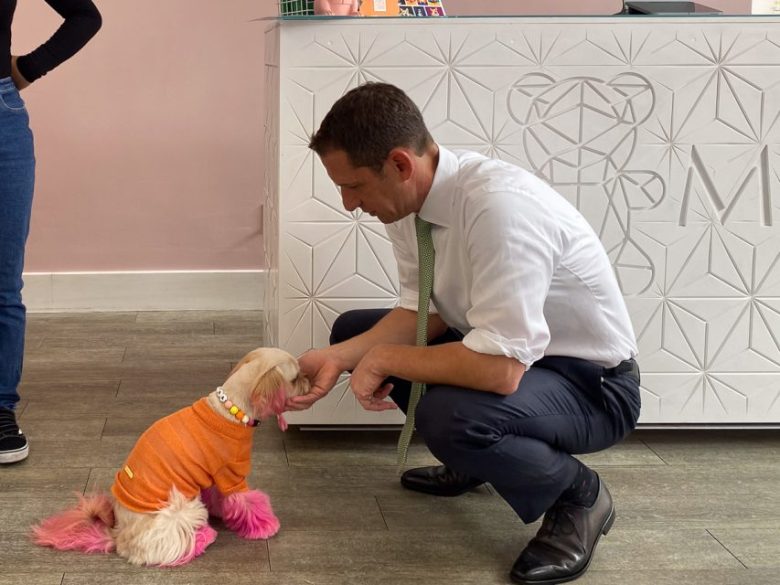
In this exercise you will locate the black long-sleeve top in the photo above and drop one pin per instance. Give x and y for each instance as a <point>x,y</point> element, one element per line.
<point>82,21</point>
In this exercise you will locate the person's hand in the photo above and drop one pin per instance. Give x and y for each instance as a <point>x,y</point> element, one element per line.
<point>19,81</point>
<point>367,383</point>
<point>323,371</point>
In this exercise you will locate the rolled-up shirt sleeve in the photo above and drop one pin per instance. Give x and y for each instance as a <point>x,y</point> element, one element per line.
<point>512,247</point>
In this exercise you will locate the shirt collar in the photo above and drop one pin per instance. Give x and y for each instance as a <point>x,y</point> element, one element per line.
<point>437,207</point>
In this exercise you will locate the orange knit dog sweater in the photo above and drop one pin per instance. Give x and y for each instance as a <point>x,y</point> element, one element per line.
<point>191,450</point>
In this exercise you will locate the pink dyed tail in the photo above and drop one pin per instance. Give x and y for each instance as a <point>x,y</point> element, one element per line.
<point>85,528</point>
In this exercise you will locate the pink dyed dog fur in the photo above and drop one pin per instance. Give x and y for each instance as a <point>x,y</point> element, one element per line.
<point>203,538</point>
<point>82,528</point>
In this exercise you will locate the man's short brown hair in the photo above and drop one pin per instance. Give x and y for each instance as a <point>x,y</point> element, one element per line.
<point>368,122</point>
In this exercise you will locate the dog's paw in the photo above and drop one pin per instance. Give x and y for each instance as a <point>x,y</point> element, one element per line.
<point>264,528</point>
<point>249,514</point>
<point>204,536</point>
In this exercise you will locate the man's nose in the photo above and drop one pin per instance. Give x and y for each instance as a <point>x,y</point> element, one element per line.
<point>350,203</point>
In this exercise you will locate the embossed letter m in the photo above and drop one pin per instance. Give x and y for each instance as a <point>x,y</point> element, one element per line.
<point>760,166</point>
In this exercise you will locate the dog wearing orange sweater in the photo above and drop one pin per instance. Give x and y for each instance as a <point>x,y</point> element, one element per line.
<point>185,467</point>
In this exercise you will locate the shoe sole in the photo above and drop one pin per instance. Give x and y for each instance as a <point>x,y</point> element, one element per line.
<point>15,456</point>
<point>605,528</point>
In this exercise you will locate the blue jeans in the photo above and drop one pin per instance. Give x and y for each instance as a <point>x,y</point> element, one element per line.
<point>522,443</point>
<point>17,178</point>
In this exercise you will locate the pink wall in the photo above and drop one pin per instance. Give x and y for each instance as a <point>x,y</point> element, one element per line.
<point>149,142</point>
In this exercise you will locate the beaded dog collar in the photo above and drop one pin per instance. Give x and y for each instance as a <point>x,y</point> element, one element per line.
<point>240,415</point>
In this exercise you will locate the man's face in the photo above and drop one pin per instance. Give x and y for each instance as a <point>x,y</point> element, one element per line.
<point>382,195</point>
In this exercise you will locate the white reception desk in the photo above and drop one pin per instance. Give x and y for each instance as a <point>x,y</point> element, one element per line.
<point>664,132</point>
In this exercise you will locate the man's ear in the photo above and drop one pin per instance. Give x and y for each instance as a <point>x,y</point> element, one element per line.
<point>401,162</point>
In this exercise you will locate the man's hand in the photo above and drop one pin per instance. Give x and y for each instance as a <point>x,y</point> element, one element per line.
<point>367,382</point>
<point>19,81</point>
<point>323,371</point>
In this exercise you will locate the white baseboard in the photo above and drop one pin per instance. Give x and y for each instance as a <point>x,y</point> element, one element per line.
<point>230,290</point>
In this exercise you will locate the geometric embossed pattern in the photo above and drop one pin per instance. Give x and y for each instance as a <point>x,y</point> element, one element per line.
<point>665,135</point>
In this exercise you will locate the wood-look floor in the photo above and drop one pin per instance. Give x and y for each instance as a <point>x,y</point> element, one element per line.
<point>693,507</point>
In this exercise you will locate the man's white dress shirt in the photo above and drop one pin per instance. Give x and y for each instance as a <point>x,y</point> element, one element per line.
<point>519,271</point>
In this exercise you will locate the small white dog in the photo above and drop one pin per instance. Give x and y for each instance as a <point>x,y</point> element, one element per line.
<point>184,467</point>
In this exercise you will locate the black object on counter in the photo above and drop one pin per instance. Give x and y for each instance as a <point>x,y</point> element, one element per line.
<point>668,8</point>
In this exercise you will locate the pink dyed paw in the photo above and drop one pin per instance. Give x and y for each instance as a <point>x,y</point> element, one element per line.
<point>249,515</point>
<point>204,536</point>
<point>264,528</point>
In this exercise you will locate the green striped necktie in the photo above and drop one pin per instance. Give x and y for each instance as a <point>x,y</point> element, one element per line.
<point>426,257</point>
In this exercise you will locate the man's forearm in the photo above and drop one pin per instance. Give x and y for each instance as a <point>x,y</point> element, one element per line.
<point>398,327</point>
<point>452,364</point>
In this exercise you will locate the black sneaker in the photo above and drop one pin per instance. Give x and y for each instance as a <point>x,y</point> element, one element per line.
<point>13,443</point>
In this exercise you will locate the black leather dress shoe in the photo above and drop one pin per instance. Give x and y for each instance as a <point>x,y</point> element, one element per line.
<point>562,549</point>
<point>439,480</point>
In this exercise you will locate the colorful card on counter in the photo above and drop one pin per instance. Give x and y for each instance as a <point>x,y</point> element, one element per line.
<point>421,8</point>
<point>379,7</point>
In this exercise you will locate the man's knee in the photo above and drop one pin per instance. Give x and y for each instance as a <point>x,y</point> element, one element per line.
<point>340,325</point>
<point>345,327</point>
<point>352,323</point>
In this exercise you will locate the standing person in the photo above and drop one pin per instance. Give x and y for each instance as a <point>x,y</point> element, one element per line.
<point>17,176</point>
<point>530,355</point>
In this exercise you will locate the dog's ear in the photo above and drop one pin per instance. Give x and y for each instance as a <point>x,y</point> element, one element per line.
<point>269,394</point>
